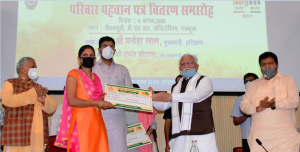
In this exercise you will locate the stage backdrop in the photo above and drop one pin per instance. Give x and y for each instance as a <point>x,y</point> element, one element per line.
<point>226,36</point>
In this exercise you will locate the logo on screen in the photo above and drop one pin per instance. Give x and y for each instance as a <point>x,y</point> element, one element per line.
<point>31,4</point>
<point>247,8</point>
<point>246,2</point>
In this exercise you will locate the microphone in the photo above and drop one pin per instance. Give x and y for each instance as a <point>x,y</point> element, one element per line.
<point>259,143</point>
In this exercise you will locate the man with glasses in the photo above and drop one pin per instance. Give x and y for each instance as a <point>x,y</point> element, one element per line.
<point>240,118</point>
<point>111,73</point>
<point>271,102</point>
<point>192,116</point>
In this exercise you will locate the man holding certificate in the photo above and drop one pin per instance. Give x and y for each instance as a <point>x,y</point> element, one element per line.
<point>115,74</point>
<point>192,116</point>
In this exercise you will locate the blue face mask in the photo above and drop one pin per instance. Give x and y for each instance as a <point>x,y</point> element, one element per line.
<point>188,73</point>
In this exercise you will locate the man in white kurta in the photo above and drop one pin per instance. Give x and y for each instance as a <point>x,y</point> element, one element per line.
<point>110,72</point>
<point>190,100</point>
<point>271,100</point>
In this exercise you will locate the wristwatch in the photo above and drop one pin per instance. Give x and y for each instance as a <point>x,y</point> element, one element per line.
<point>273,108</point>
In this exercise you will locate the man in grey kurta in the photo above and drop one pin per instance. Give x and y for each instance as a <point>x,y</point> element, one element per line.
<point>111,73</point>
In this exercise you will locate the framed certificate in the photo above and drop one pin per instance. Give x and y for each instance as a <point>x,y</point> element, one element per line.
<point>136,136</point>
<point>129,98</point>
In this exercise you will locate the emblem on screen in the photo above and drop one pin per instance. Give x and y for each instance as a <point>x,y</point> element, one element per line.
<point>111,89</point>
<point>31,4</point>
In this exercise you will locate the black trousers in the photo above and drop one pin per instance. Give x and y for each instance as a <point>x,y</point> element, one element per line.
<point>245,145</point>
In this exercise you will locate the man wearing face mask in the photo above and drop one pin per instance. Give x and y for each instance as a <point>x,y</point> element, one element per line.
<point>111,73</point>
<point>271,102</point>
<point>192,116</point>
<point>27,106</point>
<point>240,118</point>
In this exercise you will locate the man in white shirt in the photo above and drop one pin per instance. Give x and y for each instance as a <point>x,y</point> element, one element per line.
<point>55,121</point>
<point>192,116</point>
<point>110,72</point>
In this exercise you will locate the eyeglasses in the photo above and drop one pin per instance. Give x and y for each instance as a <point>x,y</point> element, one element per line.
<point>104,45</point>
<point>188,63</point>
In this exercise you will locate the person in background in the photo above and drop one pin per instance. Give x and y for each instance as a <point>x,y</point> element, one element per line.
<point>240,118</point>
<point>168,120</point>
<point>82,128</point>
<point>271,102</point>
<point>27,106</point>
<point>116,74</point>
<point>55,121</point>
<point>53,129</point>
<point>1,121</point>
<point>190,100</point>
<point>147,119</point>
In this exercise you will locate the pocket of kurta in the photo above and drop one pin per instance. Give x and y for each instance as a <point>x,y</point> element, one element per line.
<point>280,93</point>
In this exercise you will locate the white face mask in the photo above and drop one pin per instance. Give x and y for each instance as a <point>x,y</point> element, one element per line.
<point>33,73</point>
<point>108,52</point>
<point>247,85</point>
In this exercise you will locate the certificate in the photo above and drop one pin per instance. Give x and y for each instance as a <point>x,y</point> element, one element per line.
<point>136,136</point>
<point>129,98</point>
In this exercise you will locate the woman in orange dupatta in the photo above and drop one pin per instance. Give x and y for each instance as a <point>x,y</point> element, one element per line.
<point>81,127</point>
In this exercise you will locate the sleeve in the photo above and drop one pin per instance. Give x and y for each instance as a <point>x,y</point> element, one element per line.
<point>128,82</point>
<point>203,91</point>
<point>50,105</point>
<point>292,100</point>
<point>246,106</point>
<point>55,121</point>
<point>131,117</point>
<point>153,124</point>
<point>10,99</point>
<point>236,112</point>
<point>168,114</point>
<point>74,74</point>
<point>162,106</point>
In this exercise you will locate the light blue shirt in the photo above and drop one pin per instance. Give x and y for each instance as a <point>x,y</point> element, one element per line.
<point>114,119</point>
<point>236,112</point>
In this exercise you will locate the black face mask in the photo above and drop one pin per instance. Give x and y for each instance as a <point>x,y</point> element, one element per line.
<point>88,62</point>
